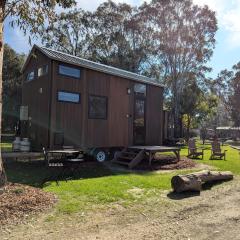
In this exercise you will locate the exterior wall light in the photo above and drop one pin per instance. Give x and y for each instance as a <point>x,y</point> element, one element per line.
<point>129,91</point>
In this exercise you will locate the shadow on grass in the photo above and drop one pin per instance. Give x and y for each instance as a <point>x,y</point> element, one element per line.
<point>183,195</point>
<point>189,194</point>
<point>209,185</point>
<point>34,173</point>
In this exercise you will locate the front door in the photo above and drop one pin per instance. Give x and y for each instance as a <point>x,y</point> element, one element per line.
<point>139,128</point>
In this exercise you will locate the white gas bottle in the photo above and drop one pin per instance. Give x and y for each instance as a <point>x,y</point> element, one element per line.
<point>16,144</point>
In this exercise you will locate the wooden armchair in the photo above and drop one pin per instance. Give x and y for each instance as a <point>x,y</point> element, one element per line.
<point>193,151</point>
<point>217,152</point>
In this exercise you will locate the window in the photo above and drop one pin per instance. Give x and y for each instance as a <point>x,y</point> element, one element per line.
<point>30,76</point>
<point>140,89</point>
<point>97,107</point>
<point>42,70</point>
<point>69,71</point>
<point>68,97</point>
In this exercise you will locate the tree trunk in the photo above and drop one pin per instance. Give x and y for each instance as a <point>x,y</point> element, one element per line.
<point>194,181</point>
<point>175,109</point>
<point>3,178</point>
<point>188,127</point>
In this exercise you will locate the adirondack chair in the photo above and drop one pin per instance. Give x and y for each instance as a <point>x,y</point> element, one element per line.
<point>193,151</point>
<point>217,152</point>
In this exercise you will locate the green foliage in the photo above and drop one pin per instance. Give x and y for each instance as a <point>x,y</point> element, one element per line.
<point>69,33</point>
<point>12,64</point>
<point>30,15</point>
<point>227,87</point>
<point>114,35</point>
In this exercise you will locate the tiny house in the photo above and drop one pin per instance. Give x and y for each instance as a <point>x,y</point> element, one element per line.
<point>77,102</point>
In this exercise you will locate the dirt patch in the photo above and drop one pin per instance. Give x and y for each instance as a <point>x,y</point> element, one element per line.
<point>213,214</point>
<point>18,202</point>
<point>167,163</point>
<point>136,192</point>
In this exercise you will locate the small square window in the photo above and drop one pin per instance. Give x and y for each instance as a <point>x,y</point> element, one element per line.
<point>97,107</point>
<point>30,76</point>
<point>140,89</point>
<point>43,70</point>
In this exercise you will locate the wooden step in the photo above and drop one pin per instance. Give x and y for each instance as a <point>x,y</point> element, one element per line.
<point>121,162</point>
<point>126,158</point>
<point>131,153</point>
<point>129,158</point>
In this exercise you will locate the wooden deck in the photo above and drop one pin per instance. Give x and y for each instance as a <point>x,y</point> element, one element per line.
<point>152,150</point>
<point>133,155</point>
<point>156,148</point>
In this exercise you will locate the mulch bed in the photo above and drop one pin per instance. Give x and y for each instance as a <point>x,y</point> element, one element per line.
<point>167,163</point>
<point>17,202</point>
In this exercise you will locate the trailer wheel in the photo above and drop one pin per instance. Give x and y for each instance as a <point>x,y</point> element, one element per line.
<point>100,155</point>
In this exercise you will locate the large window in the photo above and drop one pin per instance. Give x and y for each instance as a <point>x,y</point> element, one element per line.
<point>42,70</point>
<point>97,107</point>
<point>30,76</point>
<point>69,71</point>
<point>68,97</point>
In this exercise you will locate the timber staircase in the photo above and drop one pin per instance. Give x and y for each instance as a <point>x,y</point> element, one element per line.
<point>129,157</point>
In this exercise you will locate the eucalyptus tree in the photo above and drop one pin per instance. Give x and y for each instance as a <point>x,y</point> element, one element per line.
<point>189,103</point>
<point>120,38</point>
<point>184,40</point>
<point>227,87</point>
<point>29,15</point>
<point>69,33</point>
<point>12,82</point>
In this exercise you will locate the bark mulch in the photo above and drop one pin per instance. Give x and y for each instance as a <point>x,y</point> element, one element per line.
<point>167,163</point>
<point>17,202</point>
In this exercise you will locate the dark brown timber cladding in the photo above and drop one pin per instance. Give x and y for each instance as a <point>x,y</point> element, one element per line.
<point>70,121</point>
<point>36,96</point>
<point>112,131</point>
<point>66,117</point>
<point>154,115</point>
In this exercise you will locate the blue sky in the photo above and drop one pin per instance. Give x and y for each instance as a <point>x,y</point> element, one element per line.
<point>226,54</point>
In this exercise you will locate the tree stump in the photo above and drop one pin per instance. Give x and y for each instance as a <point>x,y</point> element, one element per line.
<point>194,181</point>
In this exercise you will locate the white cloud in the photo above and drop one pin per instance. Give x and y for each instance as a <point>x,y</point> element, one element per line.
<point>228,15</point>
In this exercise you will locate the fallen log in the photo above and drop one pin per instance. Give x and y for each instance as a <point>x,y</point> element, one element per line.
<point>194,181</point>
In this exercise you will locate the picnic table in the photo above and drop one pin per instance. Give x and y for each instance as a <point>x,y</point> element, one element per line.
<point>66,160</point>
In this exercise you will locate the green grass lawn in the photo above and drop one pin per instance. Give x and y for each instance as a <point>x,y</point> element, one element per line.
<point>100,185</point>
<point>6,147</point>
<point>232,162</point>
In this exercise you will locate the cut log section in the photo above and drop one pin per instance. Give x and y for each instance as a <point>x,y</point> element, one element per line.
<point>194,181</point>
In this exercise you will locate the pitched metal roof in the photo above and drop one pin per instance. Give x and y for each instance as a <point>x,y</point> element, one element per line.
<point>67,58</point>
